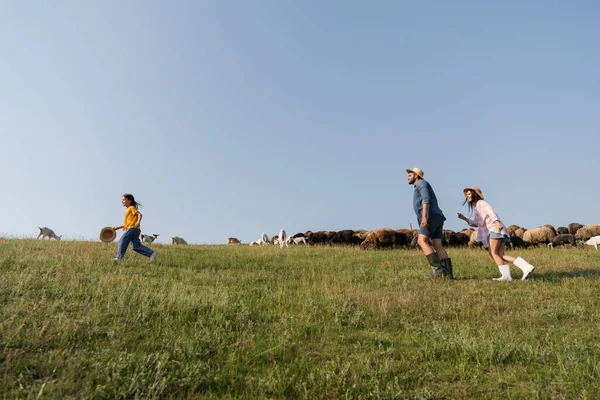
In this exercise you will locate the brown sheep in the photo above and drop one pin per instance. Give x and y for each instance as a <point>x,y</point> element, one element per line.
<point>539,235</point>
<point>551,228</point>
<point>345,237</point>
<point>512,229</point>
<point>561,230</point>
<point>380,238</point>
<point>574,227</point>
<point>404,237</point>
<point>232,240</point>
<point>473,240</point>
<point>520,232</point>
<point>361,233</point>
<point>588,232</point>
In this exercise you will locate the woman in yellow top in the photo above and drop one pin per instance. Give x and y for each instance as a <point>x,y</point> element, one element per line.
<point>131,228</point>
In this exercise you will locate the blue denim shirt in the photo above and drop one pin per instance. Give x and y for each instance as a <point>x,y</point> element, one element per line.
<point>424,194</point>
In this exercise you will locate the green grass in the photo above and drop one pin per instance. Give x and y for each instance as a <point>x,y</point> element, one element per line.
<point>305,322</point>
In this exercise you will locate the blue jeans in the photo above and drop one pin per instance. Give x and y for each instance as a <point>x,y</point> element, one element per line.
<point>132,235</point>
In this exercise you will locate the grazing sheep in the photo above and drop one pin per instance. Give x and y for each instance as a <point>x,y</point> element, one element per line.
<point>405,236</point>
<point>588,232</point>
<point>520,232</point>
<point>539,235</point>
<point>384,237</point>
<point>149,238</point>
<point>561,240</point>
<point>232,240</point>
<point>574,227</point>
<point>361,234</point>
<point>319,237</point>
<point>551,228</point>
<point>516,242</point>
<point>594,241</point>
<point>47,233</point>
<point>177,240</point>
<point>473,240</point>
<point>562,230</point>
<point>345,236</point>
<point>449,238</point>
<point>255,243</point>
<point>512,229</point>
<point>463,239</point>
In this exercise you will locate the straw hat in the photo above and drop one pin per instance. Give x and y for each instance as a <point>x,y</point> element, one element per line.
<point>416,171</point>
<point>474,189</point>
<point>108,234</point>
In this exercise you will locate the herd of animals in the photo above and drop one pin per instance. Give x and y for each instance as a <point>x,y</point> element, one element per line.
<point>389,238</point>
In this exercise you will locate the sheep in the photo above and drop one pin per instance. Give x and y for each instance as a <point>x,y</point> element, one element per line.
<point>574,227</point>
<point>520,232</point>
<point>594,241</point>
<point>346,236</point>
<point>463,239</point>
<point>561,230</point>
<point>149,238</point>
<point>512,229</point>
<point>404,237</point>
<point>384,237</point>
<point>561,240</point>
<point>232,240</point>
<point>254,243</point>
<point>361,234</point>
<point>551,228</point>
<point>178,240</point>
<point>516,241</point>
<point>587,232</point>
<point>473,242</point>
<point>47,233</point>
<point>316,237</point>
<point>539,235</point>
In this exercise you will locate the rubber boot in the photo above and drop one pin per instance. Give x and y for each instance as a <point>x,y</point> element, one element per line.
<point>447,265</point>
<point>437,271</point>
<point>523,266</point>
<point>505,271</point>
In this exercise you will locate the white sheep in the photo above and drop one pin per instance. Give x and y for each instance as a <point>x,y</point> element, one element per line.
<point>594,241</point>
<point>177,240</point>
<point>47,233</point>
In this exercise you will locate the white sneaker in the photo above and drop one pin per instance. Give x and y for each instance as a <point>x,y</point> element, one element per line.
<point>153,257</point>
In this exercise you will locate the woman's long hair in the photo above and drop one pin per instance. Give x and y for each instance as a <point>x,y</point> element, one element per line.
<point>134,203</point>
<point>471,204</point>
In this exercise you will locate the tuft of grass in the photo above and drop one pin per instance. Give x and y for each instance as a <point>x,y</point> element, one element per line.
<point>303,322</point>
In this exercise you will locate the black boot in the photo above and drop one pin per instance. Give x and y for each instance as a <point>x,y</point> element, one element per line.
<point>437,271</point>
<point>447,265</point>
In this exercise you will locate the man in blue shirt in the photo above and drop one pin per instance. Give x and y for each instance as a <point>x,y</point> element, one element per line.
<point>431,224</point>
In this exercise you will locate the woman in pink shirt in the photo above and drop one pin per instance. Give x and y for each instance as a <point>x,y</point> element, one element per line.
<point>492,233</point>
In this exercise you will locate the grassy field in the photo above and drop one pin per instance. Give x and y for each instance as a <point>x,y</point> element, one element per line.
<point>305,322</point>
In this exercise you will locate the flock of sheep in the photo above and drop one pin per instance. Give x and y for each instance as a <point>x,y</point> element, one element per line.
<point>385,237</point>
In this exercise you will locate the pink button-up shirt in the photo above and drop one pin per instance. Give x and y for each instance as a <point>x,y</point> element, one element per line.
<point>483,220</point>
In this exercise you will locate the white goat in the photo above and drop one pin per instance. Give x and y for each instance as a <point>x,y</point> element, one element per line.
<point>177,240</point>
<point>296,240</point>
<point>595,241</point>
<point>47,233</point>
<point>264,239</point>
<point>282,239</point>
<point>149,238</point>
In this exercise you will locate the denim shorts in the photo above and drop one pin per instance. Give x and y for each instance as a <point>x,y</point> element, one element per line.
<point>435,227</point>
<point>494,235</point>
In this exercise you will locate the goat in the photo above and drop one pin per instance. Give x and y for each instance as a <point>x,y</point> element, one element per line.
<point>177,240</point>
<point>149,238</point>
<point>47,233</point>
<point>232,240</point>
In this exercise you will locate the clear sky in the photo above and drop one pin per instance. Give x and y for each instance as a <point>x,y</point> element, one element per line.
<point>233,118</point>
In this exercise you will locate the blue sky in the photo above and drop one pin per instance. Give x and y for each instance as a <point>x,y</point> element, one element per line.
<point>233,118</point>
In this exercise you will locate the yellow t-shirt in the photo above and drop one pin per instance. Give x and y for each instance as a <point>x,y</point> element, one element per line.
<point>130,217</point>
